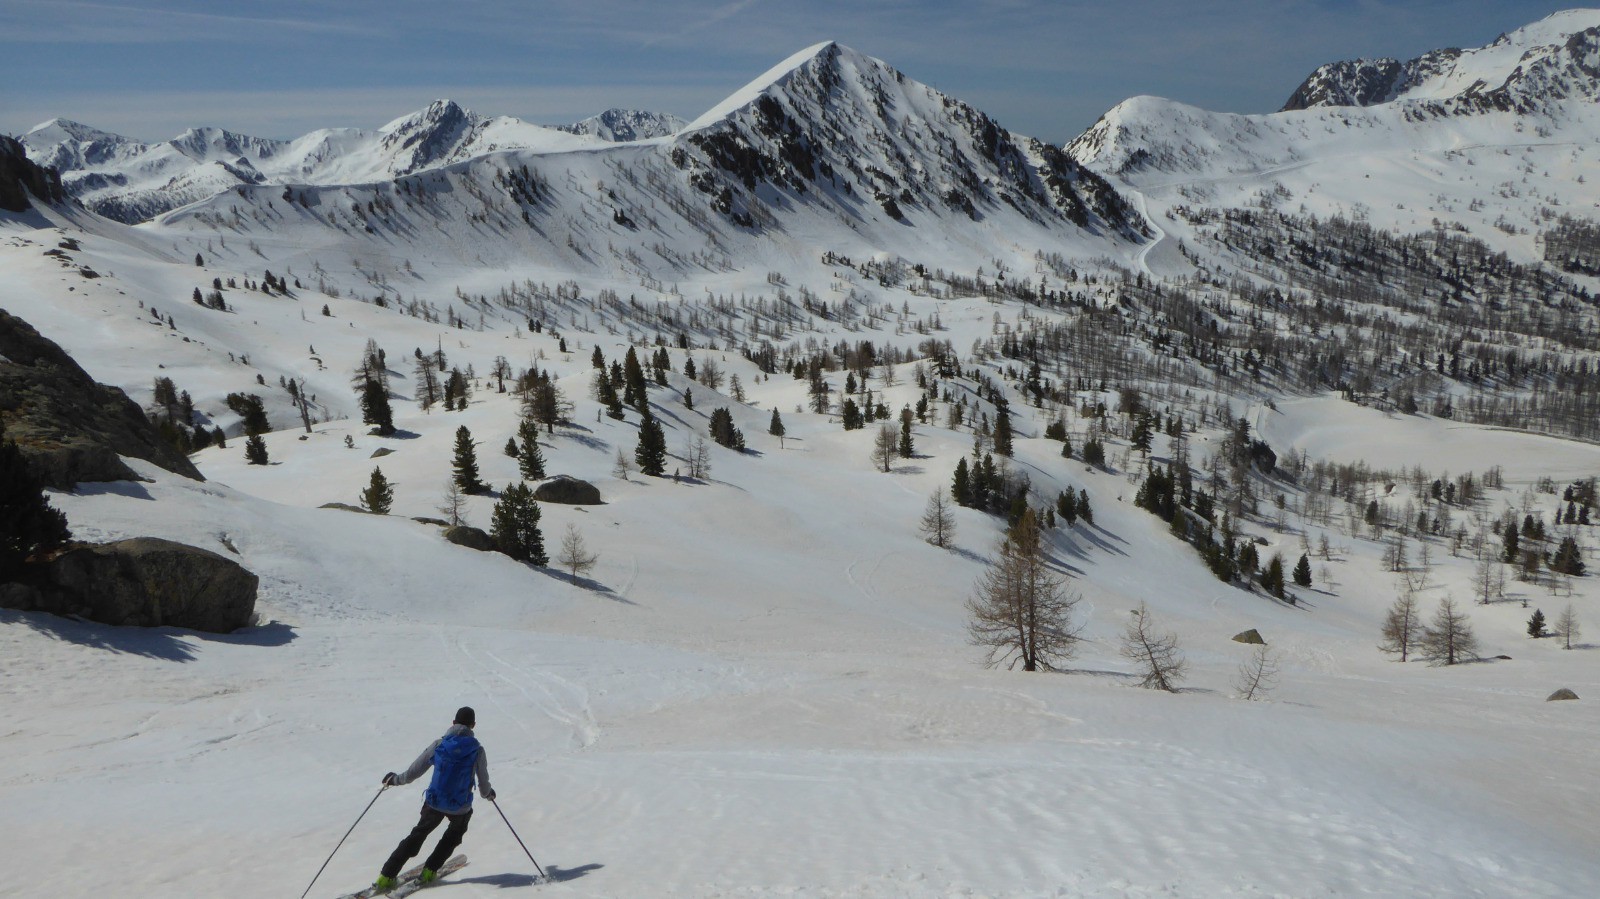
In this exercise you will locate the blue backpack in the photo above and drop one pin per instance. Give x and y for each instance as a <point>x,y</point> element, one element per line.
<point>453,764</point>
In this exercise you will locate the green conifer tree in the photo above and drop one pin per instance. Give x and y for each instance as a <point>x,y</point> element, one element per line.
<point>651,453</point>
<point>465,466</point>
<point>28,523</point>
<point>379,495</point>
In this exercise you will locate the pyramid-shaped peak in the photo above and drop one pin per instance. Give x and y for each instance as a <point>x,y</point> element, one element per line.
<point>434,113</point>
<point>828,55</point>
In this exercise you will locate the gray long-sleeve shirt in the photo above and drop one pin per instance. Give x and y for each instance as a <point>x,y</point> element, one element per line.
<point>480,767</point>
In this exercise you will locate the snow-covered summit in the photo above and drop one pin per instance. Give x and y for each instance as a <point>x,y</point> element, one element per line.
<point>622,125</point>
<point>132,181</point>
<point>1555,58</point>
<point>830,117</point>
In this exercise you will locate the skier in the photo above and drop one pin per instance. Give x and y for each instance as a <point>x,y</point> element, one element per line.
<point>457,760</point>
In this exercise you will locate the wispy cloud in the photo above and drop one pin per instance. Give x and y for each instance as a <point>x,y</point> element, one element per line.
<point>79,21</point>
<point>721,13</point>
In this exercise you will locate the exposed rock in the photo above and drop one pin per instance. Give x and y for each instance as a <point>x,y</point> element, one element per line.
<point>567,490</point>
<point>344,506</point>
<point>70,428</point>
<point>436,522</point>
<point>19,177</point>
<point>380,452</point>
<point>470,537</point>
<point>144,581</point>
<point>1250,636</point>
<point>1561,694</point>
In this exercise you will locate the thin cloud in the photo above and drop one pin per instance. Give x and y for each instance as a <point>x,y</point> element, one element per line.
<point>80,21</point>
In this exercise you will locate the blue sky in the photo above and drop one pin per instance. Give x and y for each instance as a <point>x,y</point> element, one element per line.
<point>279,68</point>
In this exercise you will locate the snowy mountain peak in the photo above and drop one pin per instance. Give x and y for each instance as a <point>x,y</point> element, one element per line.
<point>215,144</point>
<point>1555,58</point>
<point>832,119</point>
<point>623,125</point>
<point>57,130</point>
<point>439,112</point>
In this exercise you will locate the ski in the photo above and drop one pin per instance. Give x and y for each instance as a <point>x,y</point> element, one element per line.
<point>407,877</point>
<point>411,886</point>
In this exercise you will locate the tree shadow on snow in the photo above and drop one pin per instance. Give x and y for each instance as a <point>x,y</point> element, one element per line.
<point>130,489</point>
<point>591,585</point>
<point>169,644</point>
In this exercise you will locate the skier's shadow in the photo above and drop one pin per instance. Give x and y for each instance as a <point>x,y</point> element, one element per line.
<point>508,881</point>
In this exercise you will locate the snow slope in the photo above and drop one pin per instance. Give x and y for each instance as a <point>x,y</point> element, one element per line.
<point>765,687</point>
<point>1497,140</point>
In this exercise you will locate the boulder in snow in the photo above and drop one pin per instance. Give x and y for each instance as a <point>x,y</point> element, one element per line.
<point>151,582</point>
<point>470,537</point>
<point>567,490</point>
<point>1250,636</point>
<point>1560,694</point>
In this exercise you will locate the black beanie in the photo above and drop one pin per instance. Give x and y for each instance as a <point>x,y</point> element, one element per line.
<point>466,716</point>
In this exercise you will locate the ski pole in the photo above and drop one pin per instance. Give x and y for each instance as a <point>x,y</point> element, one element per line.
<point>342,839</point>
<point>542,875</point>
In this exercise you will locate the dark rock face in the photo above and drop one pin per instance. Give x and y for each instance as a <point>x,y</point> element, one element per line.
<point>1561,694</point>
<point>470,537</point>
<point>1251,636</point>
<point>20,177</point>
<point>567,491</point>
<point>144,581</point>
<point>70,428</point>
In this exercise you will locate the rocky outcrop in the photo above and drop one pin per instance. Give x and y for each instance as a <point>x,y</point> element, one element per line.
<point>470,537</point>
<point>1561,694</point>
<point>567,490</point>
<point>143,581</point>
<point>1251,636</point>
<point>70,428</point>
<point>20,177</point>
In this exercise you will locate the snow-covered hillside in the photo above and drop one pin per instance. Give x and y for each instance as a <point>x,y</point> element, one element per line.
<point>1405,147</point>
<point>766,685</point>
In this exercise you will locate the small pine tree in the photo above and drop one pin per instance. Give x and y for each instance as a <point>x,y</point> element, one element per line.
<point>465,464</point>
<point>255,450</point>
<point>514,526</point>
<point>1302,571</point>
<point>651,452</point>
<point>379,495</point>
<point>775,428</point>
<point>1272,578</point>
<point>1002,432</point>
<point>512,450</point>
<point>1536,624</point>
<point>531,459</point>
<point>375,408</point>
<point>723,431</point>
<point>28,523</point>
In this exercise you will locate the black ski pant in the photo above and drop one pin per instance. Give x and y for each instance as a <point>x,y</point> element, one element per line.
<point>412,844</point>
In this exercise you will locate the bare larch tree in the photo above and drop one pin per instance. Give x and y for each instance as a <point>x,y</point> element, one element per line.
<point>1021,609</point>
<point>1160,662</point>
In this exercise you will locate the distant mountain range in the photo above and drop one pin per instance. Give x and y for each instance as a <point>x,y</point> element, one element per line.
<point>845,142</point>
